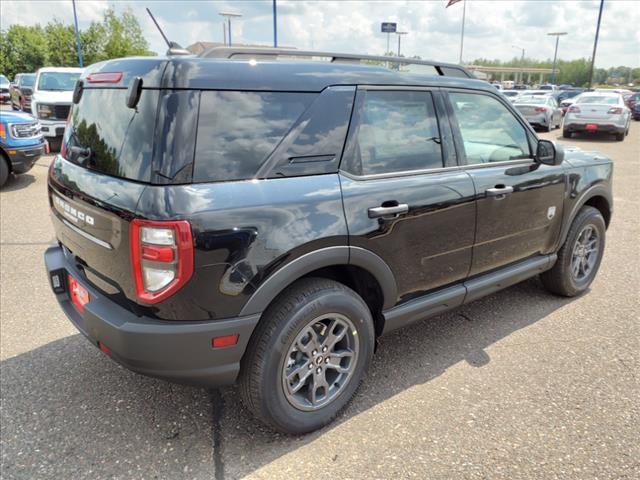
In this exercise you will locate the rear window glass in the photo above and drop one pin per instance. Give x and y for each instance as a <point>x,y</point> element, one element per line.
<point>609,100</point>
<point>238,130</point>
<point>106,136</point>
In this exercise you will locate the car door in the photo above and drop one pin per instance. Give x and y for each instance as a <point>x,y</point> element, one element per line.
<point>404,197</point>
<point>519,200</point>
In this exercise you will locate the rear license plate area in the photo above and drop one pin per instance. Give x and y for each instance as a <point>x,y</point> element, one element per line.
<point>78,294</point>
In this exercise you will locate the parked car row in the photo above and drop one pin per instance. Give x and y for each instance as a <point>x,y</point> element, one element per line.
<point>603,111</point>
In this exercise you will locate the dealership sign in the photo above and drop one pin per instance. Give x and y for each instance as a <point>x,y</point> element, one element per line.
<point>388,27</point>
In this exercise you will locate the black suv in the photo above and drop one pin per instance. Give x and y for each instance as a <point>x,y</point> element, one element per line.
<point>264,220</point>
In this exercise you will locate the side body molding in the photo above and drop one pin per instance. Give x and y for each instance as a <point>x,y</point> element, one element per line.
<point>324,257</point>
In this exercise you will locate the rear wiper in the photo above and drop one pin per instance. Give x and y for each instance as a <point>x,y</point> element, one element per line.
<point>83,153</point>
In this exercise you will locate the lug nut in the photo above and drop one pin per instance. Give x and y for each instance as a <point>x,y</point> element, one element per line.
<point>315,352</point>
<point>319,370</point>
<point>326,360</point>
<point>310,366</point>
<point>324,349</point>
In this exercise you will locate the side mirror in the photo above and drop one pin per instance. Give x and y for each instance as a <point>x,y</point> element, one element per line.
<point>549,153</point>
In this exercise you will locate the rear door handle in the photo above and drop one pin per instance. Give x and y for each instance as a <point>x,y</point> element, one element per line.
<point>375,212</point>
<point>499,191</point>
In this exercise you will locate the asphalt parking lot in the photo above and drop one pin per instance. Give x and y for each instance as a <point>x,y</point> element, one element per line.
<point>520,384</point>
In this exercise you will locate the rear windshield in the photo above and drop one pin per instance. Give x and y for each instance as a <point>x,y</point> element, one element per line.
<point>598,99</point>
<point>27,80</point>
<point>106,136</point>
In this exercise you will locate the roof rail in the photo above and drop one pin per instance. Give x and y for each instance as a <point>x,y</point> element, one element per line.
<point>395,63</point>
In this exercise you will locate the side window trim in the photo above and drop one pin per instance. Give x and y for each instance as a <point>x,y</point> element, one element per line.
<point>532,139</point>
<point>446,136</point>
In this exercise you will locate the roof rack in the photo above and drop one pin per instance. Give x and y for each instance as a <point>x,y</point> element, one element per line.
<point>404,64</point>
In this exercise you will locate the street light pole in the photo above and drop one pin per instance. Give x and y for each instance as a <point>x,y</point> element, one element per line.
<point>595,45</point>
<point>75,21</point>
<point>399,34</point>
<point>229,16</point>
<point>555,55</point>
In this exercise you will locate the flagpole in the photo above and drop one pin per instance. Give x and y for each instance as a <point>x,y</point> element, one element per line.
<point>464,12</point>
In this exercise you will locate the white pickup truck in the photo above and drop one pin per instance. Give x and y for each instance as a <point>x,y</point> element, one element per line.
<point>52,99</point>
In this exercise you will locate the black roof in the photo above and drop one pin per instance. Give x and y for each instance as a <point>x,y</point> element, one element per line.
<point>190,72</point>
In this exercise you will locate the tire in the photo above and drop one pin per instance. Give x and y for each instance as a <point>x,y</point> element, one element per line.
<point>620,136</point>
<point>567,134</point>
<point>549,126</point>
<point>292,318</point>
<point>4,170</point>
<point>561,279</point>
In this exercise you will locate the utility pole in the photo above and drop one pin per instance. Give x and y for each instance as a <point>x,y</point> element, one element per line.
<point>595,45</point>
<point>275,25</point>
<point>464,13</point>
<point>399,34</point>
<point>555,55</point>
<point>229,16</point>
<point>75,21</point>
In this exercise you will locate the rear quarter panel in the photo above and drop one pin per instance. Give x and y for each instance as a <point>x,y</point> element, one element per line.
<point>243,231</point>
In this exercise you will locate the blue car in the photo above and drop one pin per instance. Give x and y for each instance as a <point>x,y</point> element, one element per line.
<point>21,143</point>
<point>635,111</point>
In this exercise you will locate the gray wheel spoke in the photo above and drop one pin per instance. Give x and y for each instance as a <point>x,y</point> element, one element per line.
<point>301,382</point>
<point>319,384</point>
<point>335,361</point>
<point>332,338</point>
<point>311,345</point>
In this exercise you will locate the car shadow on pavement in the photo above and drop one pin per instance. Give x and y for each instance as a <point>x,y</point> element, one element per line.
<point>67,408</point>
<point>18,182</point>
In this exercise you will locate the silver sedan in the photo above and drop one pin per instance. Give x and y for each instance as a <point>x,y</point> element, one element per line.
<point>539,110</point>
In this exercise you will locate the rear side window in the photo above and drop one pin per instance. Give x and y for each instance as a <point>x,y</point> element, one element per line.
<point>395,131</point>
<point>237,131</point>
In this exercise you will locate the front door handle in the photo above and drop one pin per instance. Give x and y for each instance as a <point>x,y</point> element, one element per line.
<point>395,210</point>
<point>499,191</point>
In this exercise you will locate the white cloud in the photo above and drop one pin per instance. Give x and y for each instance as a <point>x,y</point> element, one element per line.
<point>354,26</point>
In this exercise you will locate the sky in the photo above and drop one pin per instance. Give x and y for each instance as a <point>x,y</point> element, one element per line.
<point>495,29</point>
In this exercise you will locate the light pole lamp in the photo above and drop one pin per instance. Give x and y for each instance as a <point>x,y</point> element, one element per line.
<point>399,34</point>
<point>229,16</point>
<point>555,55</point>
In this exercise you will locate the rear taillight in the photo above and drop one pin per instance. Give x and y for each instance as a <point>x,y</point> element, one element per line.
<point>541,109</point>
<point>615,111</point>
<point>574,109</point>
<point>161,256</point>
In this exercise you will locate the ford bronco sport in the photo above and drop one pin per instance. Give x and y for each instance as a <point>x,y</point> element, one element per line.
<point>236,216</point>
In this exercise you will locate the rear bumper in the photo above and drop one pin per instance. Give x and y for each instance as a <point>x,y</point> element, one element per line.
<point>539,119</point>
<point>602,127</point>
<point>175,351</point>
<point>23,158</point>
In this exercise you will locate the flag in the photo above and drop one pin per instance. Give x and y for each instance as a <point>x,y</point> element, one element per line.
<point>451,2</point>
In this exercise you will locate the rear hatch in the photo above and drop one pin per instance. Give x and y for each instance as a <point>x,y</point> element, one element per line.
<point>105,164</point>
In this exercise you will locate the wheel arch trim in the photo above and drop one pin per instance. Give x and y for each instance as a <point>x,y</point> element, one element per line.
<point>597,190</point>
<point>322,258</point>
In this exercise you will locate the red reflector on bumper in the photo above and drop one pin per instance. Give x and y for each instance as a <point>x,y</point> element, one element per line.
<point>591,126</point>
<point>78,294</point>
<point>226,341</point>
<point>104,348</point>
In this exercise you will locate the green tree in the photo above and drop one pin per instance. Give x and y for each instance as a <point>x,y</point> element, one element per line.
<point>123,35</point>
<point>61,44</point>
<point>22,49</point>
